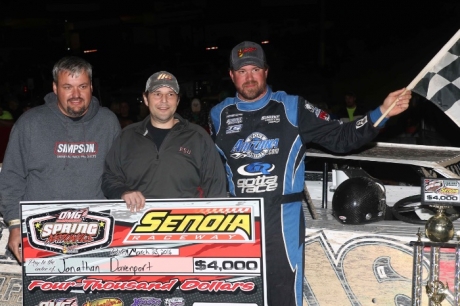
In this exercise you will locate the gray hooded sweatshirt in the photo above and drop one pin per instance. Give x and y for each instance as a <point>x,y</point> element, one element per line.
<point>52,157</point>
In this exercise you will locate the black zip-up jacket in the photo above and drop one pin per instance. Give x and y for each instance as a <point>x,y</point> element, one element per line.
<point>186,166</point>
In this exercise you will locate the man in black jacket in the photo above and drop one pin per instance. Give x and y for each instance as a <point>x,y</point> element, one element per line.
<point>163,156</point>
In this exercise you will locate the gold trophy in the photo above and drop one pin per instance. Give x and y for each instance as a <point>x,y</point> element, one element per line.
<point>439,228</point>
<point>436,291</point>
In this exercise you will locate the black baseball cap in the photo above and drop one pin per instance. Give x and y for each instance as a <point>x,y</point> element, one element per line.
<point>247,53</point>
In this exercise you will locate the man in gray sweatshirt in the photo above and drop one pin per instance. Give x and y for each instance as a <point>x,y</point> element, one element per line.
<point>56,151</point>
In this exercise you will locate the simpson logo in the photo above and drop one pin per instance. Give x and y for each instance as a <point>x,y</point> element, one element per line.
<point>361,122</point>
<point>271,119</point>
<point>255,146</point>
<point>60,302</point>
<point>75,148</point>
<point>69,231</point>
<point>194,224</point>
<point>146,301</point>
<point>257,168</point>
<point>234,129</point>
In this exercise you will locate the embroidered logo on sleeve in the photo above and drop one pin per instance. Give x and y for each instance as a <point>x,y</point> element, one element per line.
<point>361,122</point>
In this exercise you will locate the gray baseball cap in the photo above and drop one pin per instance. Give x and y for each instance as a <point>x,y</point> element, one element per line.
<point>247,53</point>
<point>162,79</point>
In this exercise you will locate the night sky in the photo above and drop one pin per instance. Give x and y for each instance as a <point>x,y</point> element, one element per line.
<point>318,49</point>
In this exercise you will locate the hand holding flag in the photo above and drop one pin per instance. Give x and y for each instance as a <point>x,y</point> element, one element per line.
<point>395,103</point>
<point>438,82</point>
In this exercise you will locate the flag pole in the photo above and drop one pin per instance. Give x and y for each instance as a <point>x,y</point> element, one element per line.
<point>422,73</point>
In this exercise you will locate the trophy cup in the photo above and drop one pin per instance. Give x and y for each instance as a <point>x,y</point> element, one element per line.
<point>439,228</point>
<point>436,291</point>
<point>441,194</point>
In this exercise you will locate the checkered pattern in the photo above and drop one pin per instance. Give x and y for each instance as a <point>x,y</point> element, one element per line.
<point>441,85</point>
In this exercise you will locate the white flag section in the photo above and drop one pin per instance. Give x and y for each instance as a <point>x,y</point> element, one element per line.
<point>439,81</point>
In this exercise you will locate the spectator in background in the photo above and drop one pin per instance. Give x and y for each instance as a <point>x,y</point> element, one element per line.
<point>6,123</point>
<point>197,114</point>
<point>14,107</point>
<point>115,107</point>
<point>26,105</point>
<point>126,117</point>
<point>6,119</point>
<point>351,110</point>
<point>143,112</point>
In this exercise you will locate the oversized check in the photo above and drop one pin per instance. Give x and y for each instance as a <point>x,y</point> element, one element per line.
<point>175,252</point>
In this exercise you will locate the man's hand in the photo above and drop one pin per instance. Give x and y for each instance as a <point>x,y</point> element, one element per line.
<point>14,242</point>
<point>135,200</point>
<point>401,98</point>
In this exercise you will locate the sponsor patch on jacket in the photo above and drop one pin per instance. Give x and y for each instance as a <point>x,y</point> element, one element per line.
<point>309,107</point>
<point>234,115</point>
<point>361,122</point>
<point>271,118</point>
<point>255,146</point>
<point>233,129</point>
<point>317,111</point>
<point>231,121</point>
<point>257,168</point>
<point>322,114</point>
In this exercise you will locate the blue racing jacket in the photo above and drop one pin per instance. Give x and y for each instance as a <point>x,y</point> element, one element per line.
<point>263,144</point>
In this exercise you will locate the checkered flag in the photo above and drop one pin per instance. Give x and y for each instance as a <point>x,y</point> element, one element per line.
<point>439,81</point>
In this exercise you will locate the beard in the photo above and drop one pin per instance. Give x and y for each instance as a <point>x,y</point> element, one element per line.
<point>75,113</point>
<point>250,94</point>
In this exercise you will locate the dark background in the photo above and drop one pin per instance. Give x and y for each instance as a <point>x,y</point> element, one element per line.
<point>317,49</point>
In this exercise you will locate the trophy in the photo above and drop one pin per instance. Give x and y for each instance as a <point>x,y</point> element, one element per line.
<point>439,228</point>
<point>436,292</point>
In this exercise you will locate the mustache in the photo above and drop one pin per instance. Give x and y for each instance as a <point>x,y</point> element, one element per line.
<point>75,100</point>
<point>250,83</point>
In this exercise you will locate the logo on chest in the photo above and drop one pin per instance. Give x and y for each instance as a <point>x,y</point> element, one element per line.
<point>185,150</point>
<point>76,149</point>
<point>234,123</point>
<point>255,146</point>
<point>271,118</point>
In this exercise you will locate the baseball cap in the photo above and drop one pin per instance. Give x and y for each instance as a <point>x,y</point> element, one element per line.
<point>247,53</point>
<point>162,79</point>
